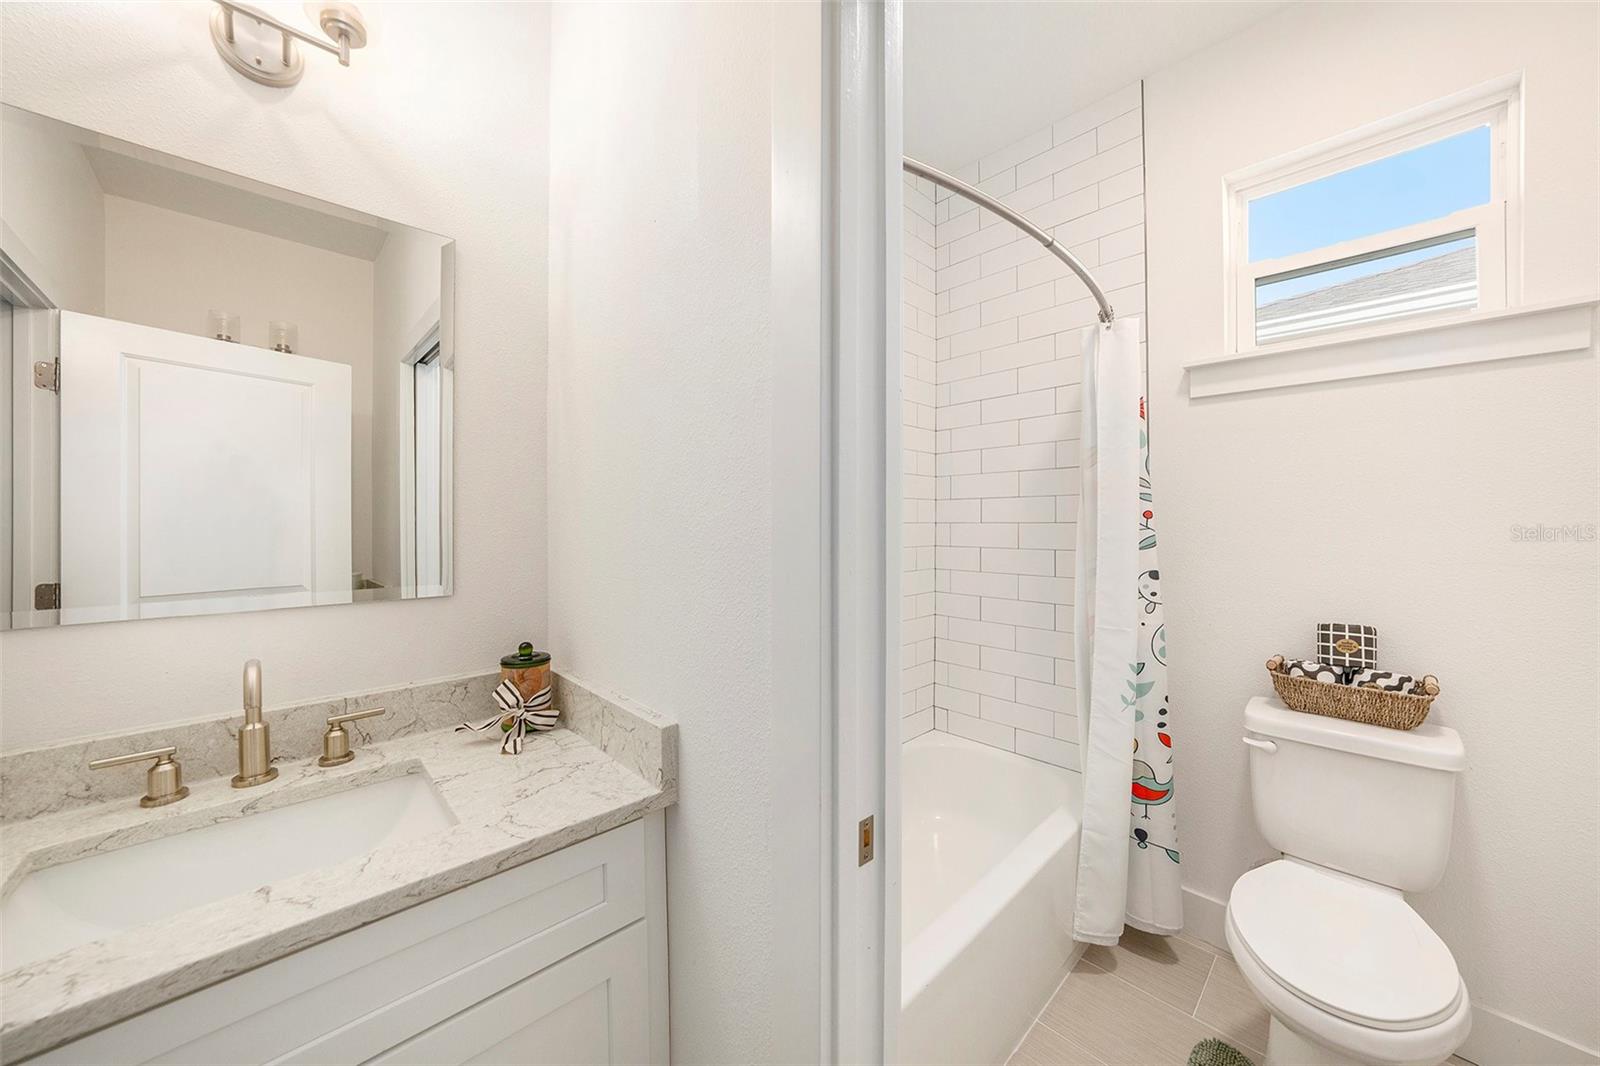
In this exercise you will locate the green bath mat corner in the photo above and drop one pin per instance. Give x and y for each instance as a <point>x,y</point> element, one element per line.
<point>1213,1052</point>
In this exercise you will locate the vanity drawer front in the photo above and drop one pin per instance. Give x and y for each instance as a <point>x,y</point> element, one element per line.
<point>593,1007</point>
<point>361,993</point>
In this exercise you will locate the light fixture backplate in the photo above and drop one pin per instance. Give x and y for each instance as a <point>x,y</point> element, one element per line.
<point>257,50</point>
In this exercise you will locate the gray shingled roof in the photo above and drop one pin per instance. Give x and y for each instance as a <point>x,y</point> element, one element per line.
<point>1451,268</point>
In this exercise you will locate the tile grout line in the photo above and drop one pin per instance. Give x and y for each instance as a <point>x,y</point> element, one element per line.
<point>1201,995</point>
<point>1213,1030</point>
<point>1038,1019</point>
<point>1211,972</point>
<point>1139,993</point>
<point>1211,975</point>
<point>1051,998</point>
<point>1041,1020</point>
<point>1118,977</point>
<point>1218,1033</point>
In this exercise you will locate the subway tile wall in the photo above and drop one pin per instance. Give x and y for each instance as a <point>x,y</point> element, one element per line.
<point>1007,412</point>
<point>917,462</point>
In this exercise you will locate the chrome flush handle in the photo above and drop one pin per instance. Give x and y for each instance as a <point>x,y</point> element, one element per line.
<point>163,782</point>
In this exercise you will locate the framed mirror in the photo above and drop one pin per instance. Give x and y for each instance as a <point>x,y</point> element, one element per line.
<point>215,395</point>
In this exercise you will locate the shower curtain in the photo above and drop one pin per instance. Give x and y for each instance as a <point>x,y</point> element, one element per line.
<point>1128,863</point>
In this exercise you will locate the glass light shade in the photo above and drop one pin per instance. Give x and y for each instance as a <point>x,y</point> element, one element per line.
<point>282,336</point>
<point>223,325</point>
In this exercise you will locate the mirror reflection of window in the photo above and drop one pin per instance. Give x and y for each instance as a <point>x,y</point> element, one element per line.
<point>428,374</point>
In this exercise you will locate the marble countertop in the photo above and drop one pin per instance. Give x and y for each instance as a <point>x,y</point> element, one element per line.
<point>562,789</point>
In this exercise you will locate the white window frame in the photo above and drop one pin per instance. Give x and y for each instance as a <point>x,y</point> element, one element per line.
<point>1496,225</point>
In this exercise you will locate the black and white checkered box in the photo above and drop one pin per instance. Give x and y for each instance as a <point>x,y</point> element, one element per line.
<point>1347,645</point>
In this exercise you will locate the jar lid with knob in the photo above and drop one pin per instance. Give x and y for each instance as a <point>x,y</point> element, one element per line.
<point>524,658</point>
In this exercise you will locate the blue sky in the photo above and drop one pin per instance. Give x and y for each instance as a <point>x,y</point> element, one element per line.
<point>1427,182</point>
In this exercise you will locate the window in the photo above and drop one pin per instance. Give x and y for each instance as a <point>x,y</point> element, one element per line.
<point>427,396</point>
<point>1415,216</point>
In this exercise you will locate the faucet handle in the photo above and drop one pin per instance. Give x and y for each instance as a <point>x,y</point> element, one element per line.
<point>163,781</point>
<point>336,741</point>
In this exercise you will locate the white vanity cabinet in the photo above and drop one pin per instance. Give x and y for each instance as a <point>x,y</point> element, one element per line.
<point>559,960</point>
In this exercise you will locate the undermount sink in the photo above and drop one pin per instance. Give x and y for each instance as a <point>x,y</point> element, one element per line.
<point>59,907</point>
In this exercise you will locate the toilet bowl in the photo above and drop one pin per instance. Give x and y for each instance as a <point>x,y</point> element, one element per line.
<point>1348,972</point>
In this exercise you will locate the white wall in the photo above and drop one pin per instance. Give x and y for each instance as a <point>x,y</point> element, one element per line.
<point>1008,418</point>
<point>167,269</point>
<point>917,594</point>
<point>661,533</point>
<point>439,123</point>
<point>1405,524</point>
<point>52,211</point>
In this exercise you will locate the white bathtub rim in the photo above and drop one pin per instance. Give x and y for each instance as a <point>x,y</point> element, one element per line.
<point>948,935</point>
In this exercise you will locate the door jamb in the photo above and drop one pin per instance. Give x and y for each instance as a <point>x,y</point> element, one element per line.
<point>836,524</point>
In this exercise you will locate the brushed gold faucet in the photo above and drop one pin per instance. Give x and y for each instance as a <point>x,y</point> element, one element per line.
<point>255,746</point>
<point>336,741</point>
<point>163,781</point>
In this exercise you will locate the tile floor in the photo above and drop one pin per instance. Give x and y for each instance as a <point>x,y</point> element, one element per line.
<point>1147,1002</point>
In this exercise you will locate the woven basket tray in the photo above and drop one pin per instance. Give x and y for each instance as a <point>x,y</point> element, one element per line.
<point>1394,710</point>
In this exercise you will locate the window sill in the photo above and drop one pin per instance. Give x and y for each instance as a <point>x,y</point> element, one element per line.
<point>1543,329</point>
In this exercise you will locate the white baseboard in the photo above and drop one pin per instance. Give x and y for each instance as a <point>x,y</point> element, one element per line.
<point>1205,919</point>
<point>1496,1040</point>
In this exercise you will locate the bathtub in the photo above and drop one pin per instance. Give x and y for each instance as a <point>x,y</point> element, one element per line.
<point>989,864</point>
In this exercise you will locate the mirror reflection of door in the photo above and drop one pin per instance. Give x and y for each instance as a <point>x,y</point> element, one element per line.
<point>199,476</point>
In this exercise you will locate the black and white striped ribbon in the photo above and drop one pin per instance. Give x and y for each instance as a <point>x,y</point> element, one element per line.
<point>519,717</point>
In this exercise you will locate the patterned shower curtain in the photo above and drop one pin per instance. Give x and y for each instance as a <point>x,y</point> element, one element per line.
<point>1128,864</point>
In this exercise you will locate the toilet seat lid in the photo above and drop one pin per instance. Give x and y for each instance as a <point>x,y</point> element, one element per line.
<point>1353,948</point>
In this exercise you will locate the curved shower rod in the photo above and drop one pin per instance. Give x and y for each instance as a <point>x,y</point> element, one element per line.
<point>961,188</point>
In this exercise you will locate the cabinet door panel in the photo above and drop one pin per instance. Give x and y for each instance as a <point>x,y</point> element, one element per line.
<point>353,996</point>
<point>592,1007</point>
<point>577,1033</point>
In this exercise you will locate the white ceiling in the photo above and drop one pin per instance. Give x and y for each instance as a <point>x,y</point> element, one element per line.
<point>980,75</point>
<point>236,202</point>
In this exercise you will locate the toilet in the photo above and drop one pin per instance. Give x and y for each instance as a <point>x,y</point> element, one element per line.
<point>1347,970</point>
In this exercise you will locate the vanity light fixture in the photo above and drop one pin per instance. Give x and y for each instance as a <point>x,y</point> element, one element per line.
<point>244,37</point>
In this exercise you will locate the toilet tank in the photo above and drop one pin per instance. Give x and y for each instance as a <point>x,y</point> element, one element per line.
<point>1373,802</point>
